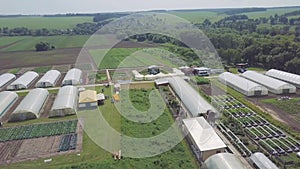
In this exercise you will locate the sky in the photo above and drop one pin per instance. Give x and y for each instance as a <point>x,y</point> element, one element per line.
<point>8,7</point>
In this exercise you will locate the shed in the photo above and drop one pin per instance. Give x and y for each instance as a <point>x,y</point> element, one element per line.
<point>7,99</point>
<point>6,78</point>
<point>65,102</point>
<point>260,161</point>
<point>49,79</point>
<point>190,97</point>
<point>88,99</point>
<point>24,81</point>
<point>73,77</point>
<point>242,85</point>
<point>274,85</point>
<point>100,98</point>
<point>285,76</point>
<point>203,138</point>
<point>224,161</point>
<point>30,106</point>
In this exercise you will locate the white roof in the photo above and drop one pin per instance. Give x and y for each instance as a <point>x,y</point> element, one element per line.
<point>74,75</point>
<point>50,77</point>
<point>66,98</point>
<point>25,79</point>
<point>189,96</point>
<point>240,82</point>
<point>285,76</point>
<point>6,99</point>
<point>5,78</point>
<point>266,80</point>
<point>203,134</point>
<point>262,161</point>
<point>33,102</point>
<point>224,161</point>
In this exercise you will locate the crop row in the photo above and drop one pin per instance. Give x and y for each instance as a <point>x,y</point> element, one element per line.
<point>37,130</point>
<point>68,142</point>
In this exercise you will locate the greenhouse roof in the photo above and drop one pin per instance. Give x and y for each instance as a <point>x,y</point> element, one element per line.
<point>242,83</point>
<point>33,102</point>
<point>203,134</point>
<point>189,96</point>
<point>5,78</point>
<point>262,161</point>
<point>51,77</point>
<point>285,76</point>
<point>25,79</point>
<point>66,98</point>
<point>224,161</point>
<point>266,80</point>
<point>6,98</point>
<point>73,74</point>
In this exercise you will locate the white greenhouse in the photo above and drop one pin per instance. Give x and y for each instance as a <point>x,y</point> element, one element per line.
<point>49,79</point>
<point>224,161</point>
<point>65,102</point>
<point>73,77</point>
<point>274,85</point>
<point>285,76</point>
<point>24,81</point>
<point>6,78</point>
<point>189,96</point>
<point>7,99</point>
<point>30,106</point>
<point>242,85</point>
<point>260,161</point>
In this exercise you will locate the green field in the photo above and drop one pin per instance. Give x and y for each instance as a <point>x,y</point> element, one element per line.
<point>269,12</point>
<point>28,43</point>
<point>198,16</point>
<point>44,22</point>
<point>291,106</point>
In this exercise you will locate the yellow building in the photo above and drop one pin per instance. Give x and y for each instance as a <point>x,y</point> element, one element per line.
<point>88,99</point>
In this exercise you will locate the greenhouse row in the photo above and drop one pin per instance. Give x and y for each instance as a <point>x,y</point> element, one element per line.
<point>274,85</point>
<point>285,76</point>
<point>49,79</point>
<point>243,85</point>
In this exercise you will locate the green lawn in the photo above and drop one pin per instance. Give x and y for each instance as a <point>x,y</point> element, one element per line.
<point>43,22</point>
<point>28,42</point>
<point>289,106</point>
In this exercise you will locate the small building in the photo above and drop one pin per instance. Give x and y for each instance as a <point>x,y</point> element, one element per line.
<point>6,78</point>
<point>30,106</point>
<point>242,85</point>
<point>73,77</point>
<point>274,85</point>
<point>203,138</point>
<point>65,102</point>
<point>7,99</point>
<point>88,99</point>
<point>260,161</point>
<point>153,70</point>
<point>100,98</point>
<point>224,161</point>
<point>285,76</point>
<point>49,79</point>
<point>24,81</point>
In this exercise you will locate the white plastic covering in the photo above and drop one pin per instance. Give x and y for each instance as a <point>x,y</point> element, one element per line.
<point>73,77</point>
<point>203,135</point>
<point>189,96</point>
<point>261,161</point>
<point>7,99</point>
<point>285,76</point>
<point>24,81</point>
<point>49,79</point>
<point>5,78</point>
<point>65,102</point>
<point>30,106</point>
<point>242,85</point>
<point>274,85</point>
<point>224,161</point>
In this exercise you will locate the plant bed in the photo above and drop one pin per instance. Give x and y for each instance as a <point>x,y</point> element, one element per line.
<point>268,148</point>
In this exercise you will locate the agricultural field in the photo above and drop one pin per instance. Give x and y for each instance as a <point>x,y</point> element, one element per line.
<point>248,126</point>
<point>269,12</point>
<point>291,106</point>
<point>43,22</point>
<point>198,16</point>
